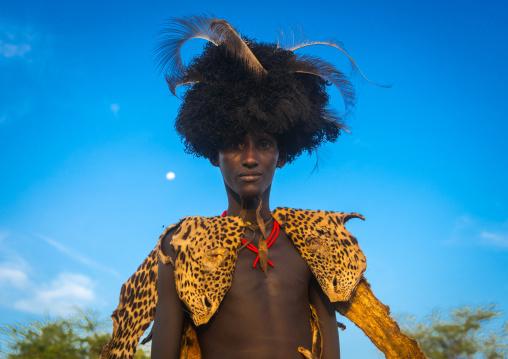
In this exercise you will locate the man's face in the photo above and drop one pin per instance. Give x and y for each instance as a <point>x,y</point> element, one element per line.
<point>248,164</point>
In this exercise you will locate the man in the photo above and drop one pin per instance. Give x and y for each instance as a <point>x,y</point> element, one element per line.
<point>271,314</point>
<point>251,283</point>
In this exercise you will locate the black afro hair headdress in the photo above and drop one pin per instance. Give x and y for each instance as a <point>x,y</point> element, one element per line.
<point>242,86</point>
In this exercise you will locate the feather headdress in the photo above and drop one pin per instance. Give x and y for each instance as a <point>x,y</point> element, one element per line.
<point>179,31</point>
<point>243,86</point>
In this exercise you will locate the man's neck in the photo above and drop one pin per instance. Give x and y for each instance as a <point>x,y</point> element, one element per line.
<point>247,208</point>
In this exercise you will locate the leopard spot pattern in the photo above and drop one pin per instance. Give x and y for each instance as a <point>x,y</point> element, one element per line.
<point>331,252</point>
<point>206,252</point>
<point>136,309</point>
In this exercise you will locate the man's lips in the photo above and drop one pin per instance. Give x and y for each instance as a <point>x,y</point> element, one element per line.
<point>250,176</point>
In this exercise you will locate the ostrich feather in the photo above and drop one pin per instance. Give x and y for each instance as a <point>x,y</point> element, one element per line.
<point>291,37</point>
<point>296,39</point>
<point>338,46</point>
<point>235,45</point>
<point>334,117</point>
<point>315,66</point>
<point>176,33</point>
<point>181,78</point>
<point>323,155</point>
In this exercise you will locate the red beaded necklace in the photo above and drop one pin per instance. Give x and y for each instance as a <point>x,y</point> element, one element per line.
<point>271,239</point>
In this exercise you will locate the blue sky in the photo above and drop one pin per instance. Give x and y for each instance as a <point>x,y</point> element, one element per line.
<point>86,141</point>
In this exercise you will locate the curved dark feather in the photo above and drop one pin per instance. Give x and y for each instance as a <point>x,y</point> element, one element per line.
<point>175,34</point>
<point>315,66</point>
<point>322,156</point>
<point>177,79</point>
<point>334,117</point>
<point>339,46</point>
<point>291,38</point>
<point>235,45</point>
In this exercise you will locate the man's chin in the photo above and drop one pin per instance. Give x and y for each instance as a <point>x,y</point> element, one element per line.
<point>249,193</point>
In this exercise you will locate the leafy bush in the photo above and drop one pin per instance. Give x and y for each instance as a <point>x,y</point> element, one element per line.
<point>462,333</point>
<point>81,336</point>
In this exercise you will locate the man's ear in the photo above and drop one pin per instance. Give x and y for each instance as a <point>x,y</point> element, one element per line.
<point>214,161</point>
<point>283,154</point>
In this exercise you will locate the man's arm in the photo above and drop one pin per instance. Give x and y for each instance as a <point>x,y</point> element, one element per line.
<point>327,321</point>
<point>169,315</point>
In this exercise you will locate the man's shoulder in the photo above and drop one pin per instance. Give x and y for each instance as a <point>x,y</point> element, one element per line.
<point>305,219</point>
<point>332,253</point>
<point>192,229</point>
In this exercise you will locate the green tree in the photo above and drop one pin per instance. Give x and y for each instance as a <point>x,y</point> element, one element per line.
<point>81,336</point>
<point>462,333</point>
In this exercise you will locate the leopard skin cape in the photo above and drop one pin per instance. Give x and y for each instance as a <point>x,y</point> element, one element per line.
<point>209,246</point>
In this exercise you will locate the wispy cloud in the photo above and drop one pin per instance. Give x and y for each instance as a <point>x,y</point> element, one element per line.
<point>468,230</point>
<point>499,240</point>
<point>78,257</point>
<point>26,59</point>
<point>13,277</point>
<point>18,41</point>
<point>14,270</point>
<point>13,50</point>
<point>60,295</point>
<point>22,291</point>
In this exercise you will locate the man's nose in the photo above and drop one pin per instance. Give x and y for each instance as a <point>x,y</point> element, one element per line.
<point>250,156</point>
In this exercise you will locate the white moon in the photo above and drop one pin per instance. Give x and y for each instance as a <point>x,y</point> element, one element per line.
<point>170,176</point>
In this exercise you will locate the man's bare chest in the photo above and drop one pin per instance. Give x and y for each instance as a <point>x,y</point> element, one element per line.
<point>263,313</point>
<point>287,280</point>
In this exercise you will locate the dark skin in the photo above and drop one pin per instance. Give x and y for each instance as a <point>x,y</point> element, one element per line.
<point>260,317</point>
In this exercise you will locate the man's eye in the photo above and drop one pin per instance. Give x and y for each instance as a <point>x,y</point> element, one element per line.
<point>265,145</point>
